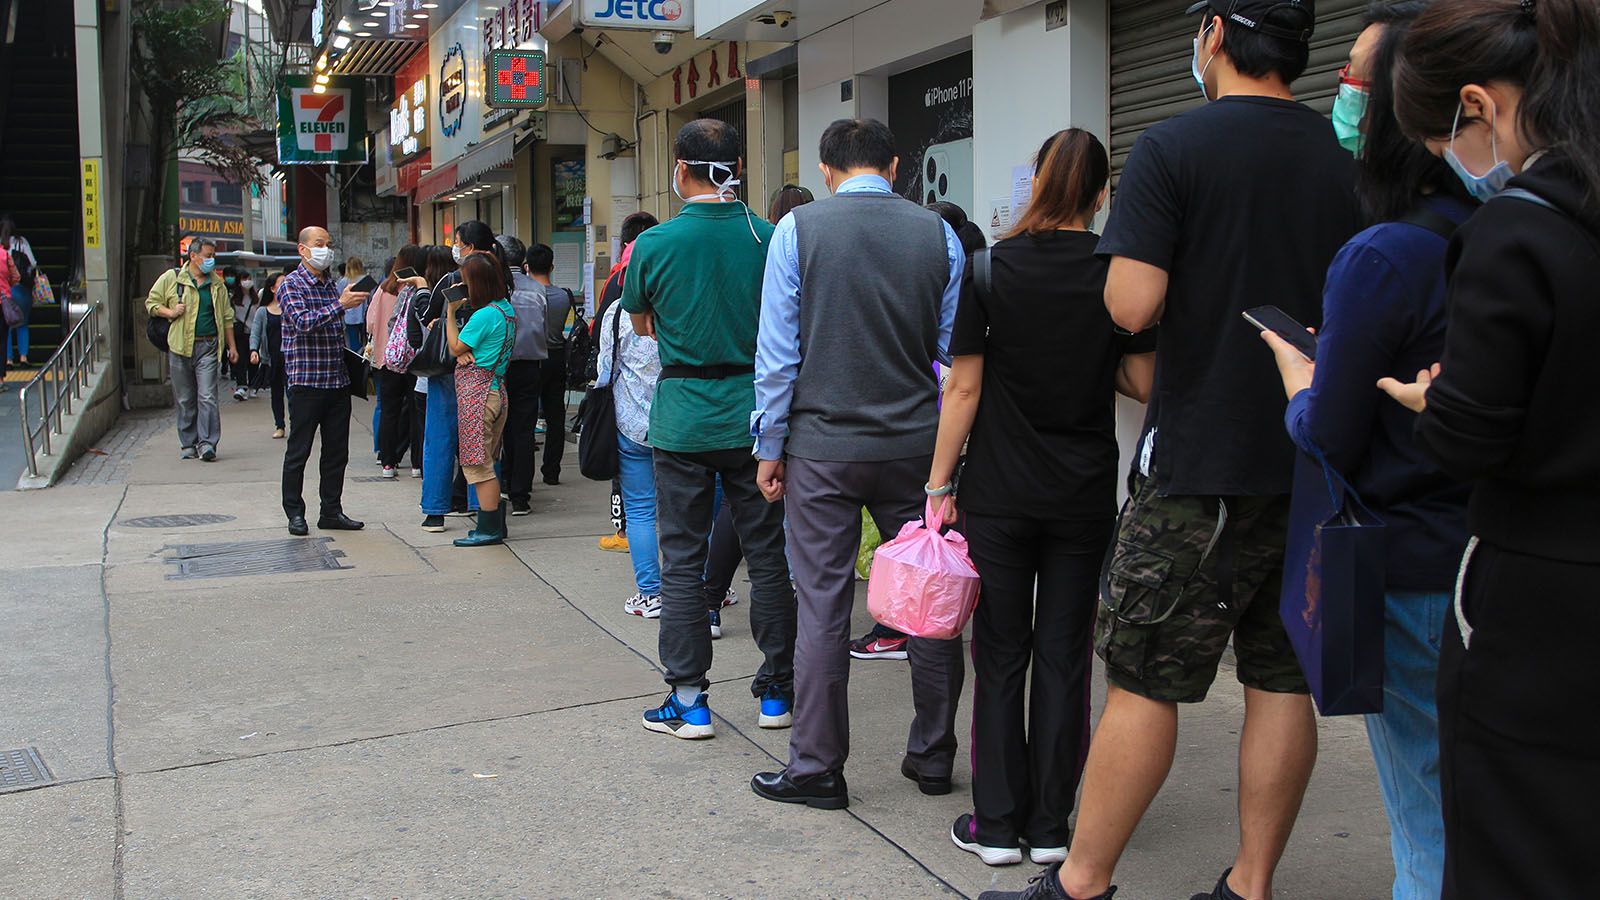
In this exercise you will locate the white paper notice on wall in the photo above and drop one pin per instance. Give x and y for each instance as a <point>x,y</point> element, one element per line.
<point>999,217</point>
<point>588,241</point>
<point>588,300</point>
<point>1021,190</point>
<point>568,262</point>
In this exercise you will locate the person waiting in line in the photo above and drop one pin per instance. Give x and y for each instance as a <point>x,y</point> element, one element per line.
<point>194,299</point>
<point>632,226</point>
<point>1384,314</point>
<point>354,319</point>
<point>385,312</point>
<point>1036,360</point>
<point>632,370</point>
<point>266,347</point>
<point>1505,93</point>
<point>439,468</point>
<point>483,348</point>
<point>1239,202</point>
<point>694,284</point>
<point>553,370</point>
<point>319,383</point>
<point>858,301</point>
<point>522,377</point>
<point>785,200</point>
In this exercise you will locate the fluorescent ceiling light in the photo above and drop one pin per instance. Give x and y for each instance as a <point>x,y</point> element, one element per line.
<point>344,25</point>
<point>370,24</point>
<point>341,41</point>
<point>363,34</point>
<point>412,25</point>
<point>319,89</point>
<point>419,15</point>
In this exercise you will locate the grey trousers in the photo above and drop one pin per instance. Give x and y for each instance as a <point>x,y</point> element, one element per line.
<point>825,501</point>
<point>685,491</point>
<point>194,389</point>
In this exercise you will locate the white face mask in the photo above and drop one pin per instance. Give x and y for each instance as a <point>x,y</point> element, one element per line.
<point>724,188</point>
<point>321,258</point>
<point>455,252</point>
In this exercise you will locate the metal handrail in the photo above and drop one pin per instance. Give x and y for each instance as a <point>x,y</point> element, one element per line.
<point>61,382</point>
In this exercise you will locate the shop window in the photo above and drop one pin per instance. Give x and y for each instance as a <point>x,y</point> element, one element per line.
<point>225,194</point>
<point>194,193</point>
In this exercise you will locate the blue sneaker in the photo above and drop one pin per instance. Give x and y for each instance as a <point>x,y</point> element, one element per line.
<point>775,710</point>
<point>690,723</point>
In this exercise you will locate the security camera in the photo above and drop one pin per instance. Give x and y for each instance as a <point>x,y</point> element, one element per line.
<point>662,41</point>
<point>782,18</point>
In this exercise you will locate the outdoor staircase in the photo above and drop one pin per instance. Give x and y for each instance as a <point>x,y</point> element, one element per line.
<point>39,151</point>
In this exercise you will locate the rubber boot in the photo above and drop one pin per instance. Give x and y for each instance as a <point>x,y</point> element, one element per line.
<point>491,529</point>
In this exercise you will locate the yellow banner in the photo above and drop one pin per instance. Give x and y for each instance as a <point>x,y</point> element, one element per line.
<point>91,204</point>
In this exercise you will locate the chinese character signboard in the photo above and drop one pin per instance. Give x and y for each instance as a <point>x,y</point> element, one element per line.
<point>326,127</point>
<point>408,122</point>
<point>91,204</point>
<point>516,79</point>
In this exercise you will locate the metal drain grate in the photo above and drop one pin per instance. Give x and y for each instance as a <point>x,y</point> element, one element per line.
<point>21,769</point>
<point>235,558</point>
<point>184,520</point>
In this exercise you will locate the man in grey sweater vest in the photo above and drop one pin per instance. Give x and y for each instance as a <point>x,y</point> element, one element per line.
<point>867,283</point>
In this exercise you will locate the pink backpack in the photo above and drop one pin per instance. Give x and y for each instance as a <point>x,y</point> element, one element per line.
<point>923,583</point>
<point>398,352</point>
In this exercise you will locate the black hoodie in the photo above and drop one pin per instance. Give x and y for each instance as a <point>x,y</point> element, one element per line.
<point>1516,410</point>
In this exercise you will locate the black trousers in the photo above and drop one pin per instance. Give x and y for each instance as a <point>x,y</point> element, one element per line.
<point>553,407</point>
<point>1029,744</point>
<point>686,485</point>
<point>522,382</point>
<point>1519,737</point>
<point>723,556</point>
<point>242,370</point>
<point>395,433</point>
<point>312,410</point>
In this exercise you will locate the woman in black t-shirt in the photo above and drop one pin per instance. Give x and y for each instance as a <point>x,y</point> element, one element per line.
<point>1036,363</point>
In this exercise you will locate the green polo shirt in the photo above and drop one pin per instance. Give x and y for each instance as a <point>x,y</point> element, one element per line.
<point>700,273</point>
<point>206,324</point>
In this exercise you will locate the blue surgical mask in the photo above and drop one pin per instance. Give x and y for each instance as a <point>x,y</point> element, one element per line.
<point>207,264</point>
<point>1349,108</point>
<point>1195,68</point>
<point>1484,186</point>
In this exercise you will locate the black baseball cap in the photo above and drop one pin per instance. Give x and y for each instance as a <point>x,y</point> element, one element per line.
<point>1293,20</point>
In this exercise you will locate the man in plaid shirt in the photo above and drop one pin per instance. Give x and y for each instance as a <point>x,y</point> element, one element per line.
<point>319,386</point>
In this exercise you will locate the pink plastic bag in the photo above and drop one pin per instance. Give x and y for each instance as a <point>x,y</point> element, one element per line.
<point>923,583</point>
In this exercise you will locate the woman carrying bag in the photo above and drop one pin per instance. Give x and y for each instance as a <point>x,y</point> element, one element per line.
<point>1037,361</point>
<point>483,351</point>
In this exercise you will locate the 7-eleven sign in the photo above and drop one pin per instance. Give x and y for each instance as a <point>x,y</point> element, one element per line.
<point>326,127</point>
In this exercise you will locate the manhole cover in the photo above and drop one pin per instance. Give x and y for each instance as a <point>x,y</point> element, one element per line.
<point>21,769</point>
<point>235,558</point>
<point>184,520</point>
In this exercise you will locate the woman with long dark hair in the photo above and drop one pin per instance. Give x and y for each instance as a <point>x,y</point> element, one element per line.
<point>21,252</point>
<point>1384,314</point>
<point>266,343</point>
<point>1508,94</point>
<point>1037,363</point>
<point>482,348</point>
<point>389,307</point>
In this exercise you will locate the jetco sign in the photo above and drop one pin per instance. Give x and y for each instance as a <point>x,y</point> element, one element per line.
<point>325,127</point>
<point>642,15</point>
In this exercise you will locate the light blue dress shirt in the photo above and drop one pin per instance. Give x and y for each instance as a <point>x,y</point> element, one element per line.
<point>778,342</point>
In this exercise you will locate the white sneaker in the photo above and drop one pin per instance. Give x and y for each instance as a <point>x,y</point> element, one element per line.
<point>1047,856</point>
<point>238,394</point>
<point>961,836</point>
<point>641,605</point>
<point>730,598</point>
<point>416,473</point>
<point>389,472</point>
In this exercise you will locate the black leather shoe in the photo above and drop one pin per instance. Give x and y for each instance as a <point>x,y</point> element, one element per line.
<point>824,791</point>
<point>341,522</point>
<point>932,785</point>
<point>298,527</point>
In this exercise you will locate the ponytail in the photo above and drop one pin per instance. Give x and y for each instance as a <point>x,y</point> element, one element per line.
<point>1070,171</point>
<point>1548,48</point>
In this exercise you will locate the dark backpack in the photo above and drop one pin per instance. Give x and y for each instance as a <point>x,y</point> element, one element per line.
<point>24,266</point>
<point>156,328</point>
<point>579,344</point>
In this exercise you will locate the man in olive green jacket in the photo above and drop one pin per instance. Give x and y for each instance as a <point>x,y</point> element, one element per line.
<point>194,299</point>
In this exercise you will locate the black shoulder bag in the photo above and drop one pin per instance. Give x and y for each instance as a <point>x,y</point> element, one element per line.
<point>598,456</point>
<point>157,328</point>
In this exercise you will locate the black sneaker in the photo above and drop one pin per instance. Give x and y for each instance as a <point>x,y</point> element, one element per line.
<point>520,508</point>
<point>1221,891</point>
<point>1044,886</point>
<point>433,523</point>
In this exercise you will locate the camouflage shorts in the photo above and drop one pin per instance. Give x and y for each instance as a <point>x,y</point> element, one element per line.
<point>1163,624</point>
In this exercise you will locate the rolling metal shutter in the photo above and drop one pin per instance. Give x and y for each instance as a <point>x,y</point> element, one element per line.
<point>1151,46</point>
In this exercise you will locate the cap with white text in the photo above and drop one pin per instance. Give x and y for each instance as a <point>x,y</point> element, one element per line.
<point>1291,20</point>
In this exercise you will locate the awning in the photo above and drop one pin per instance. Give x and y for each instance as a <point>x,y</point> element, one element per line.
<point>496,153</point>
<point>437,183</point>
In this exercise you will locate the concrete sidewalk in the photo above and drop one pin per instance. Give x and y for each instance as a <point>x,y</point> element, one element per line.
<point>403,718</point>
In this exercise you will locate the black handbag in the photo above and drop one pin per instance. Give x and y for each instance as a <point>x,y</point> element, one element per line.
<point>598,456</point>
<point>433,357</point>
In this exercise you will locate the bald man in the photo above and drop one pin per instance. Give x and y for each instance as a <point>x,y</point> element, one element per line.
<point>319,385</point>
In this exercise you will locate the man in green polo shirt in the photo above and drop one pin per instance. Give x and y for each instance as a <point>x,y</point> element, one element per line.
<point>694,284</point>
<point>195,300</point>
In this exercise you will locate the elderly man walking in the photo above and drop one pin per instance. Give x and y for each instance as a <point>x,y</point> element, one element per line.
<point>194,300</point>
<point>319,384</point>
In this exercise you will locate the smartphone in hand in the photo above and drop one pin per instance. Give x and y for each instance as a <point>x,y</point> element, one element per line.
<point>405,274</point>
<point>1280,323</point>
<point>366,285</point>
<point>455,292</point>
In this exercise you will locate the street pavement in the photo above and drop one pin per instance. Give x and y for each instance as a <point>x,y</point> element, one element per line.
<point>410,719</point>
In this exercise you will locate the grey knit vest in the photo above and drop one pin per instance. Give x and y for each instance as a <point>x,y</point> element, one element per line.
<point>873,270</point>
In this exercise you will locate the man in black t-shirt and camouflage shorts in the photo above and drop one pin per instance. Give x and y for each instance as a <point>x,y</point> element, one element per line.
<point>1239,203</point>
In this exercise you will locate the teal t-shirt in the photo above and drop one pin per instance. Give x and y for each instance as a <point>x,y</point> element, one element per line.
<point>700,273</point>
<point>206,324</point>
<point>486,333</point>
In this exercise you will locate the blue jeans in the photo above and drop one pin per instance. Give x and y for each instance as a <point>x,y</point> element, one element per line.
<point>638,479</point>
<point>1405,741</point>
<point>377,413</point>
<point>439,449</point>
<point>17,340</point>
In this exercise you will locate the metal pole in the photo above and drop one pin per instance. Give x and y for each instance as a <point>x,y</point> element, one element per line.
<point>27,431</point>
